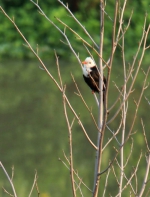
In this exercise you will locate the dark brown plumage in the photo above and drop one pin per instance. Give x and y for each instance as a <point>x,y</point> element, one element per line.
<point>92,80</point>
<point>91,75</point>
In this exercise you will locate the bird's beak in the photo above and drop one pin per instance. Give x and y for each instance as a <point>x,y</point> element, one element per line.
<point>84,62</point>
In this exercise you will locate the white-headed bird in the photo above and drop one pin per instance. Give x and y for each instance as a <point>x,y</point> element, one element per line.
<point>91,75</point>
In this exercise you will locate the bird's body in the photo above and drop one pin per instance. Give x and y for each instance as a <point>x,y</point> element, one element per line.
<point>91,75</point>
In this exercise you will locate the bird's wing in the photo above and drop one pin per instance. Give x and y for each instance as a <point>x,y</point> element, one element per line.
<point>95,74</point>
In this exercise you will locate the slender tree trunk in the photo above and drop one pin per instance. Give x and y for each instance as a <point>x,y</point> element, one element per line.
<point>100,108</point>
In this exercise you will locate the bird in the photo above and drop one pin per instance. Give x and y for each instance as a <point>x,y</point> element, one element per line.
<point>91,75</point>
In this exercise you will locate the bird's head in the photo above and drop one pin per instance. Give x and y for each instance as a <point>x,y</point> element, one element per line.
<point>88,62</point>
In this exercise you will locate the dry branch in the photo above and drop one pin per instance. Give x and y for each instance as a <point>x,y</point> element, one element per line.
<point>70,145</point>
<point>9,179</point>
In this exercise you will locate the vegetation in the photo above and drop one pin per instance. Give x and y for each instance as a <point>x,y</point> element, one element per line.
<point>39,31</point>
<point>33,126</point>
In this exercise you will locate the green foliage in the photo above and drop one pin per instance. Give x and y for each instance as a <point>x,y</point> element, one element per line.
<point>39,31</point>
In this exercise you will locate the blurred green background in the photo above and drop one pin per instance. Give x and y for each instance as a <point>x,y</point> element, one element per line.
<point>33,131</point>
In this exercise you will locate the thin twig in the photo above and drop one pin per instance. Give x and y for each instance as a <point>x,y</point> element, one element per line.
<point>63,33</point>
<point>114,135</point>
<point>80,95</point>
<point>80,38</point>
<point>125,178</point>
<point>7,192</point>
<point>77,175</point>
<point>81,181</point>
<point>144,37</point>
<point>50,75</point>
<point>84,29</point>
<point>9,179</point>
<point>70,146</point>
<point>131,149</point>
<point>30,47</point>
<point>146,177</point>
<point>130,130</point>
<point>12,174</point>
<point>129,180</point>
<point>106,182</point>
<point>34,184</point>
<point>145,138</point>
<point>80,123</point>
<point>126,28</point>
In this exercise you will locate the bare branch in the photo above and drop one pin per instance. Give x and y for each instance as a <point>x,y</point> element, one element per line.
<point>114,135</point>
<point>63,33</point>
<point>70,146</point>
<point>80,95</point>
<point>130,130</point>
<point>80,38</point>
<point>106,182</point>
<point>7,192</point>
<point>125,178</point>
<point>145,138</point>
<point>30,47</point>
<point>77,175</point>
<point>146,176</point>
<point>100,136</point>
<point>59,87</point>
<point>129,180</point>
<point>126,28</point>
<point>130,153</point>
<point>144,37</point>
<point>147,100</point>
<point>12,175</point>
<point>84,29</point>
<point>9,179</point>
<point>34,184</point>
